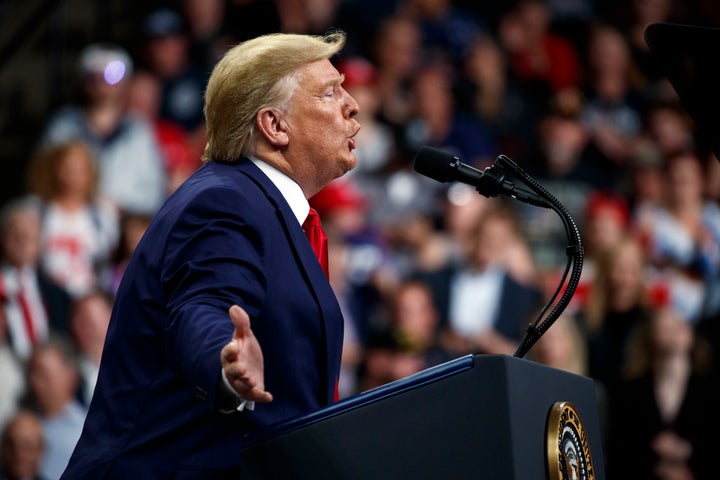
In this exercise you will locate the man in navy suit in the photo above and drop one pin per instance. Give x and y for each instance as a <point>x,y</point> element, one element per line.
<point>224,300</point>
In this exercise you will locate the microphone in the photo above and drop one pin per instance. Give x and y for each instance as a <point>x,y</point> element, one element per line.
<point>445,167</point>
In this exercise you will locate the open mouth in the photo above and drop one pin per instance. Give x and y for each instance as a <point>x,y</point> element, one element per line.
<point>352,143</point>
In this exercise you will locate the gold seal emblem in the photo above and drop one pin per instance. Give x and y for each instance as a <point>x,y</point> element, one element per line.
<point>568,449</point>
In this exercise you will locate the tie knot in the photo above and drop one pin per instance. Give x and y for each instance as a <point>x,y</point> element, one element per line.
<point>312,220</point>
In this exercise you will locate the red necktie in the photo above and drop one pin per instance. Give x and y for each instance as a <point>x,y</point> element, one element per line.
<point>317,238</point>
<point>319,243</point>
<point>32,311</point>
<point>27,316</point>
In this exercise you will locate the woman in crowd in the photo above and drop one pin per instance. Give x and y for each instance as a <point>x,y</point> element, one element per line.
<point>79,228</point>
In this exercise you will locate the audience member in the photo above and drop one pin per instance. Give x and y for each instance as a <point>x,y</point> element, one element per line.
<point>89,320</point>
<point>166,52</point>
<point>683,238</point>
<point>132,228</point>
<point>488,299</point>
<point>419,247</point>
<point>617,304</point>
<point>562,347</point>
<point>129,161</point>
<point>669,127</point>
<point>641,14</point>
<point>32,304</point>
<point>436,120</point>
<point>409,341</point>
<point>487,90</point>
<point>605,222</point>
<point>53,384</point>
<point>447,29</point>
<point>79,228</point>
<point>205,20</point>
<point>12,377</point>
<point>646,179</point>
<point>669,391</point>
<point>539,58</point>
<point>613,110</point>
<point>564,162</point>
<point>180,158</point>
<point>22,447</point>
<point>415,323</point>
<point>396,51</point>
<point>462,206</point>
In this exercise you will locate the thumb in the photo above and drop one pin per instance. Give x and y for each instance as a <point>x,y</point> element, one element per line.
<point>241,321</point>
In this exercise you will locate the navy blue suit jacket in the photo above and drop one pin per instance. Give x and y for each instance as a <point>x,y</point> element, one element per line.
<point>225,237</point>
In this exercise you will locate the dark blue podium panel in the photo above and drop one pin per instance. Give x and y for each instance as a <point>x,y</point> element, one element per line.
<point>483,416</point>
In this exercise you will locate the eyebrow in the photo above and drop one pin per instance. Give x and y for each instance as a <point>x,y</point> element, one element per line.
<point>336,81</point>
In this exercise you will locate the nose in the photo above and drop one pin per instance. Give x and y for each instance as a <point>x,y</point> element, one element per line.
<point>351,105</point>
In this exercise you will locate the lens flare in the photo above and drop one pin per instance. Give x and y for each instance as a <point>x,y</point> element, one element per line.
<point>114,72</point>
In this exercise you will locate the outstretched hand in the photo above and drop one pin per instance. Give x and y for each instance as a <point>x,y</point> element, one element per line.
<point>242,360</point>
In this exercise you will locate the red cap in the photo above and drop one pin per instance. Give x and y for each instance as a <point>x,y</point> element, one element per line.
<point>338,195</point>
<point>602,200</point>
<point>358,72</point>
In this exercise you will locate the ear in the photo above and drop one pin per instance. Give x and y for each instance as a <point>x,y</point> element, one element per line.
<point>272,126</point>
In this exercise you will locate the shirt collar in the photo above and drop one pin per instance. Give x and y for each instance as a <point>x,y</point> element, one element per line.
<point>289,189</point>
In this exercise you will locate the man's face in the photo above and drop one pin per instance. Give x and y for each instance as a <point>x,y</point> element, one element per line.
<point>22,447</point>
<point>321,127</point>
<point>21,240</point>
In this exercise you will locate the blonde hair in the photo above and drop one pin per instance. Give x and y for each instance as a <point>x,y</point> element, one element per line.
<point>255,74</point>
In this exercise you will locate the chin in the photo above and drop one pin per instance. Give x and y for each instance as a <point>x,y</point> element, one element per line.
<point>351,164</point>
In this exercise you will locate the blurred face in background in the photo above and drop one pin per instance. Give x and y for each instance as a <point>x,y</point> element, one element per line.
<point>398,44</point>
<point>494,237</point>
<point>433,96</point>
<point>670,129</point>
<point>671,333</point>
<point>685,181</point>
<point>626,276</point>
<point>75,172</point>
<point>22,447</point>
<point>21,239</point>
<point>89,323</point>
<point>167,54</point>
<point>415,314</point>
<point>604,229</point>
<point>144,95</point>
<point>51,380</point>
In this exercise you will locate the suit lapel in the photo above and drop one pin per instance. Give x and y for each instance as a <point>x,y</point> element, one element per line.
<point>331,317</point>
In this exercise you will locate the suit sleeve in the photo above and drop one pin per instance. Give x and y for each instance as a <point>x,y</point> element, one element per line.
<point>214,260</point>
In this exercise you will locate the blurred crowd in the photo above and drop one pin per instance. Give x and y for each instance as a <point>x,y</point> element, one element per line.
<point>425,272</point>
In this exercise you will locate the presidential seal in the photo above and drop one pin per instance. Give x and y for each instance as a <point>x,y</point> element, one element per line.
<point>568,449</point>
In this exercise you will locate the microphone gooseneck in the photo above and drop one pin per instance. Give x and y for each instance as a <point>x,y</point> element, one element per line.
<point>445,167</point>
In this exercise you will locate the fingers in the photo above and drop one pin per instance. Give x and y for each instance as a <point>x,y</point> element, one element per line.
<point>242,360</point>
<point>241,321</point>
<point>246,386</point>
<point>257,395</point>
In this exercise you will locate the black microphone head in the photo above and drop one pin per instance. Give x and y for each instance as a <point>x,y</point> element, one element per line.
<point>436,164</point>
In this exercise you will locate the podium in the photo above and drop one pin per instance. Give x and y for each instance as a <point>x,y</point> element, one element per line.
<point>479,416</point>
